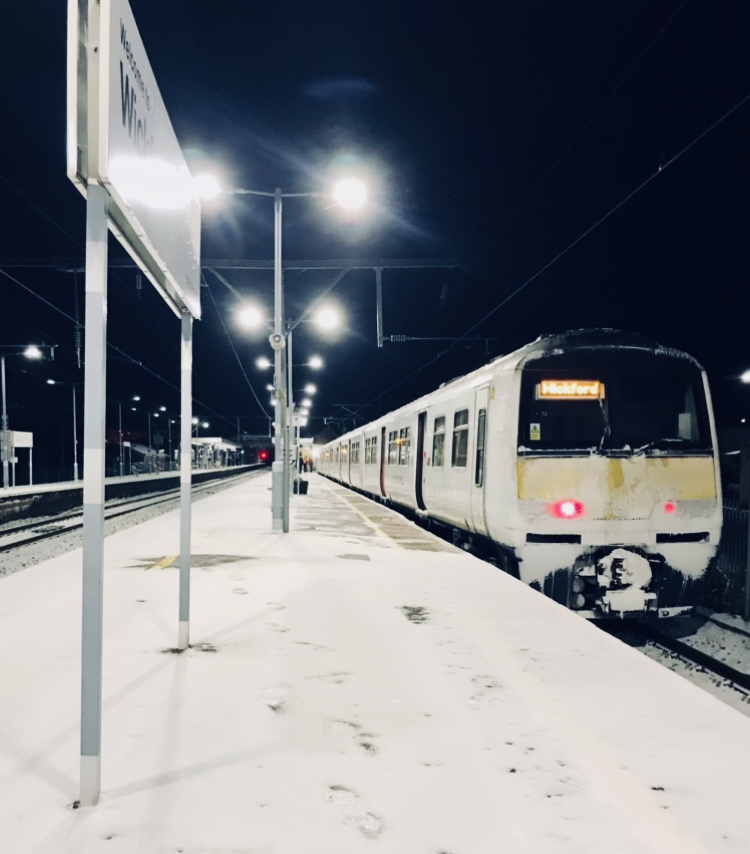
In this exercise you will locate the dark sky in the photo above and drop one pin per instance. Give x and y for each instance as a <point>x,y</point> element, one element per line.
<point>590,158</point>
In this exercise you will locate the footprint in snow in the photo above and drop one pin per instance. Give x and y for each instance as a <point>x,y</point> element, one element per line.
<point>367,823</point>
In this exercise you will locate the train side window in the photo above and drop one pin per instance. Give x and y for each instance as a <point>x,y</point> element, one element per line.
<point>393,448</point>
<point>460,448</point>
<point>438,441</point>
<point>404,443</point>
<point>479,461</point>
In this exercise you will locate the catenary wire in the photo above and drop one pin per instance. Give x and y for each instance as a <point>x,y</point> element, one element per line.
<point>234,349</point>
<point>575,242</point>
<point>568,148</point>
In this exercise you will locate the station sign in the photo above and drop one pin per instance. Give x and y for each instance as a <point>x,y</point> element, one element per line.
<point>120,135</point>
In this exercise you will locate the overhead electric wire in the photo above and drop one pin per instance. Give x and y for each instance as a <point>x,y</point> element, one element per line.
<point>39,210</point>
<point>568,148</point>
<point>234,350</point>
<point>469,268</point>
<point>126,356</point>
<point>662,168</point>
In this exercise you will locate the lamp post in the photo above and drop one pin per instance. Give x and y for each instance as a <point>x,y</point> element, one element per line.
<point>351,194</point>
<point>135,398</point>
<point>75,428</point>
<point>31,351</point>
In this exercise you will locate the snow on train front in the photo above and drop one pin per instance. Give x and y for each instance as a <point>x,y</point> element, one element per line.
<point>619,498</point>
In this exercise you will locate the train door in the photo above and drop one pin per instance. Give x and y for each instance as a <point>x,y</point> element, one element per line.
<point>419,468</point>
<point>479,469</point>
<point>349,462</point>
<point>383,458</point>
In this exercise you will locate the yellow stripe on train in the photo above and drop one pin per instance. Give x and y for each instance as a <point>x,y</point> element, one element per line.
<point>622,488</point>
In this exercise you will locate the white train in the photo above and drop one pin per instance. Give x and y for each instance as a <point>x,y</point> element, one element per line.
<point>587,461</point>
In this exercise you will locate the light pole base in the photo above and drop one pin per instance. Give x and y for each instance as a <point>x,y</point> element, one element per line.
<point>277,495</point>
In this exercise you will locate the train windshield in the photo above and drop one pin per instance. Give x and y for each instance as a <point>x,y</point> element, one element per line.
<point>620,409</point>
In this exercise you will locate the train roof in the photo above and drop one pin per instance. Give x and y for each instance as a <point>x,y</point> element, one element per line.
<point>549,345</point>
<point>592,339</point>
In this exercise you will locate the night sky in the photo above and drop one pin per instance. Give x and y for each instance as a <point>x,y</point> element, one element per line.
<point>584,163</point>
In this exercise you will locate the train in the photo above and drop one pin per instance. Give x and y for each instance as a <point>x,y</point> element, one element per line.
<point>584,463</point>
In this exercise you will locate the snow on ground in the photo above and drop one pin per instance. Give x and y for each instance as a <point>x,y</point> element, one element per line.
<point>352,686</point>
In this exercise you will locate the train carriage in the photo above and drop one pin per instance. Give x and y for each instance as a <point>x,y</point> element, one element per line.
<point>585,461</point>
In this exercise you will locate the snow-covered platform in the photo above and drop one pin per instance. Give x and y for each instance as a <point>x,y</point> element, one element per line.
<point>354,685</point>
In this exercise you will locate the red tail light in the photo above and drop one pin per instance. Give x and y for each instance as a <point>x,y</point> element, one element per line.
<point>566,509</point>
<point>670,507</point>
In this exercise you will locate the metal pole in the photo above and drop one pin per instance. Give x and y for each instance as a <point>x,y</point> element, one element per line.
<point>119,422</point>
<point>5,426</point>
<point>169,439</point>
<point>279,468</point>
<point>186,465</point>
<point>75,437</point>
<point>93,493</point>
<point>149,443</point>
<point>379,303</point>
<point>290,412</point>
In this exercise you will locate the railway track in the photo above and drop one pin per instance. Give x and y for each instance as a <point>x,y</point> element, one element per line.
<point>17,536</point>
<point>633,631</point>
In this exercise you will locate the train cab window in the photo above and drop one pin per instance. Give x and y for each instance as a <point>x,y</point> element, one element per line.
<point>479,461</point>
<point>393,448</point>
<point>658,410</point>
<point>460,447</point>
<point>438,441</point>
<point>404,443</point>
<point>641,408</point>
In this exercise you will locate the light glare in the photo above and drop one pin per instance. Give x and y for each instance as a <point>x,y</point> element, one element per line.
<point>327,318</point>
<point>250,317</point>
<point>350,193</point>
<point>206,186</point>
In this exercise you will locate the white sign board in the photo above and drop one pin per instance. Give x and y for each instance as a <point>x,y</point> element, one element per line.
<point>22,440</point>
<point>133,150</point>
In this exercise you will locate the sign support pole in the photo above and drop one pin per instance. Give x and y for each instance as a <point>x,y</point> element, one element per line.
<point>93,493</point>
<point>186,464</point>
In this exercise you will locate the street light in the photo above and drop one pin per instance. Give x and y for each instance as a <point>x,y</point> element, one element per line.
<point>350,194</point>
<point>134,398</point>
<point>30,351</point>
<point>75,430</point>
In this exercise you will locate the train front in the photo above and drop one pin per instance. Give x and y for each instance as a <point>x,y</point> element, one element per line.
<point>619,499</point>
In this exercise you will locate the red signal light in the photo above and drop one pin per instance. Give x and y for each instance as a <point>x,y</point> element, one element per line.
<point>263,456</point>
<point>670,507</point>
<point>566,509</point>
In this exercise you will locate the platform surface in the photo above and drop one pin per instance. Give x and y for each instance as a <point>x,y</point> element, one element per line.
<point>354,685</point>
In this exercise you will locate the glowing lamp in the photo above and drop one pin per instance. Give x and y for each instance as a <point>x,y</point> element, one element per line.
<point>670,507</point>
<point>566,509</point>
